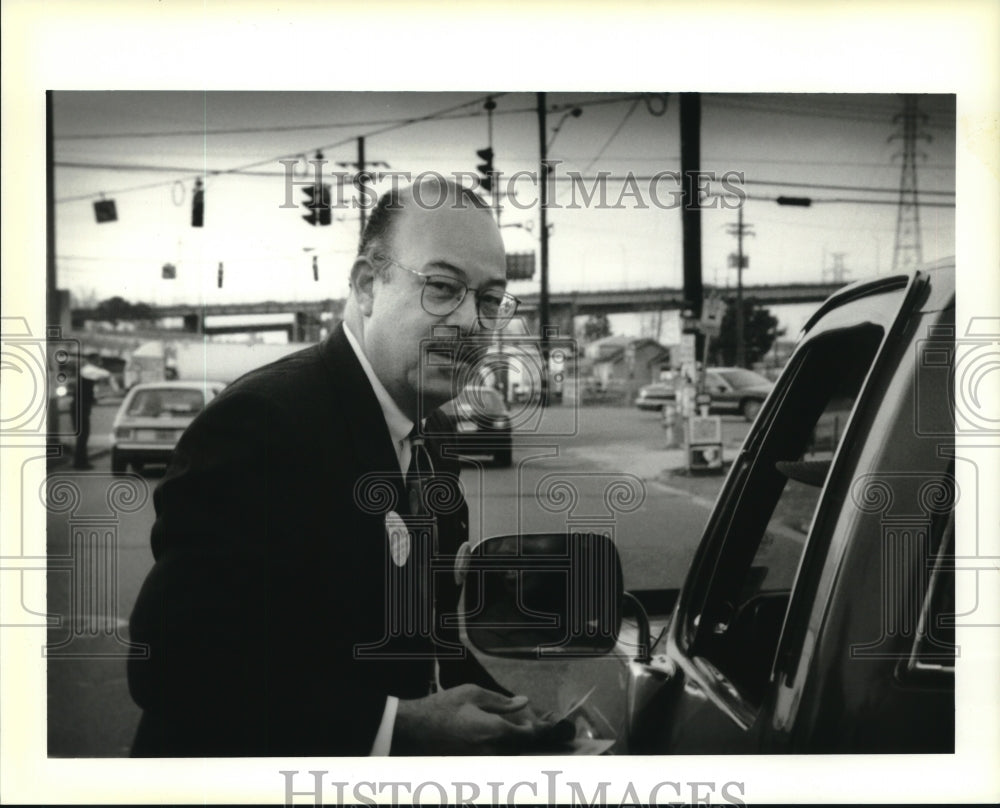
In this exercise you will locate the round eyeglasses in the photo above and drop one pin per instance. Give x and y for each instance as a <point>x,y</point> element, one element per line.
<point>443,294</point>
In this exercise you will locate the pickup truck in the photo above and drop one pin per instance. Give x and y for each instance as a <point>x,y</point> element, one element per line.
<point>818,612</point>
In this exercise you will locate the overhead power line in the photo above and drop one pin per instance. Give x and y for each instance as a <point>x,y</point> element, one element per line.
<point>795,106</point>
<point>845,201</point>
<point>397,124</point>
<point>822,187</point>
<point>202,172</point>
<point>253,130</point>
<point>829,109</point>
<point>127,167</point>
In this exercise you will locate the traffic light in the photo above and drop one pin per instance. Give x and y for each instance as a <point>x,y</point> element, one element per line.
<point>220,274</point>
<point>104,211</point>
<point>485,168</point>
<point>521,266</point>
<point>325,211</point>
<point>317,202</point>
<point>310,203</point>
<point>315,268</point>
<point>198,205</point>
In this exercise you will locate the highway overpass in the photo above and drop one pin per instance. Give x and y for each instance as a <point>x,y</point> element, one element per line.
<point>564,306</point>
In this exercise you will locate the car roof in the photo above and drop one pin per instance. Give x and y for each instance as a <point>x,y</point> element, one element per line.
<point>941,273</point>
<point>176,385</point>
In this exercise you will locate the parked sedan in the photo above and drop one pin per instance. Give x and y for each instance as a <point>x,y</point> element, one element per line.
<point>480,423</point>
<point>733,390</point>
<point>151,419</point>
<point>654,396</point>
<point>736,390</point>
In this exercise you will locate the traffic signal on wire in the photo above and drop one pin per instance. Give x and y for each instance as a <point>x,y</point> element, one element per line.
<point>485,168</point>
<point>198,205</point>
<point>317,202</point>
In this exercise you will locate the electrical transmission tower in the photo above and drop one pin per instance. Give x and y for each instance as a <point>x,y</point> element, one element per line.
<point>838,272</point>
<point>908,252</point>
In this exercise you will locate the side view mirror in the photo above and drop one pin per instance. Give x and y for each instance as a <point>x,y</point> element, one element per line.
<point>544,594</point>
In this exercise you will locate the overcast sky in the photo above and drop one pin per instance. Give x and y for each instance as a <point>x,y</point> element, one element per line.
<point>816,140</point>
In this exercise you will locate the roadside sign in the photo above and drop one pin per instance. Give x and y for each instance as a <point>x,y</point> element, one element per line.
<point>705,429</point>
<point>712,313</point>
<point>705,443</point>
<point>685,355</point>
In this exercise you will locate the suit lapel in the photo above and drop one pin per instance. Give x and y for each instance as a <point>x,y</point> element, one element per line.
<point>369,435</point>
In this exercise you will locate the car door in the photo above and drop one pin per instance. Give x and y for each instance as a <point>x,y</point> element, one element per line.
<point>719,653</point>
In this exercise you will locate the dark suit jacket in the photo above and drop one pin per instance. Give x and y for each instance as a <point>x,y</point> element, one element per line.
<point>273,580</point>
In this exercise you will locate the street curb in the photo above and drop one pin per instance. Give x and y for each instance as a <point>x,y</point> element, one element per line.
<point>680,492</point>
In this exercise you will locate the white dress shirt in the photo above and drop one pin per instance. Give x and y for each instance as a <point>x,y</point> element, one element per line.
<point>399,429</point>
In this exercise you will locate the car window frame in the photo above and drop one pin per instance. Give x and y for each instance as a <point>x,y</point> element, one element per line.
<point>743,543</point>
<point>692,602</point>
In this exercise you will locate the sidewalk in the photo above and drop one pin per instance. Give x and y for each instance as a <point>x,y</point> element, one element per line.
<point>99,443</point>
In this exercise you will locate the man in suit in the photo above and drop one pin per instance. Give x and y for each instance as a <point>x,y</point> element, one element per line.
<point>276,614</point>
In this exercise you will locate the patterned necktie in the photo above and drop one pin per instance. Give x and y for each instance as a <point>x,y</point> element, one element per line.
<point>418,474</point>
<point>424,532</point>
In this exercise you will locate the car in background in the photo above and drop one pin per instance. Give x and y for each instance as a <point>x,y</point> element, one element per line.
<point>653,396</point>
<point>479,423</point>
<point>736,390</point>
<point>733,391</point>
<point>152,417</point>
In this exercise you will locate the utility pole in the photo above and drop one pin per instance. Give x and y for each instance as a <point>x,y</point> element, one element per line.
<point>838,272</point>
<point>908,252</point>
<point>489,106</point>
<point>362,179</point>
<point>690,125</point>
<point>741,261</point>
<point>52,312</point>
<point>51,281</point>
<point>690,115</point>
<point>740,347</point>
<point>543,296</point>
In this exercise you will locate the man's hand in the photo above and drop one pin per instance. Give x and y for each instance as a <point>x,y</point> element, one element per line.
<point>464,720</point>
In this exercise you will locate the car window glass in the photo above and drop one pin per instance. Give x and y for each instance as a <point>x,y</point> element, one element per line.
<point>164,402</point>
<point>740,622</point>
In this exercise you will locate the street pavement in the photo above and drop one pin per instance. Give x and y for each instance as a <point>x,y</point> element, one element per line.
<point>599,467</point>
